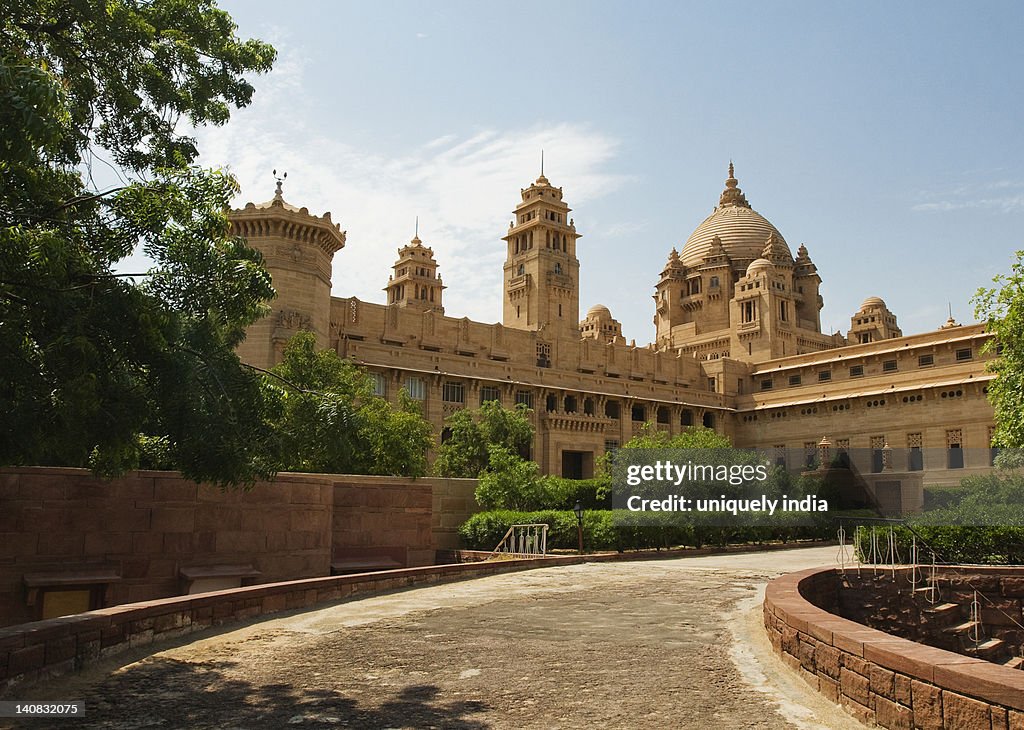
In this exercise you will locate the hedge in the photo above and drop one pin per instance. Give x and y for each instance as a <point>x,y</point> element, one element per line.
<point>484,530</point>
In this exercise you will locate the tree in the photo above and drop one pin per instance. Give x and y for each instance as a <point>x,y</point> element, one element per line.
<point>696,437</point>
<point>95,367</point>
<point>510,482</point>
<point>1002,308</point>
<point>333,423</point>
<point>467,450</point>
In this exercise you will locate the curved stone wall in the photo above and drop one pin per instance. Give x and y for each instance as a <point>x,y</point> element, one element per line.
<point>880,678</point>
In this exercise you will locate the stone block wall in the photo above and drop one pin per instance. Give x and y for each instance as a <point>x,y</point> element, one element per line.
<point>881,678</point>
<point>147,526</point>
<point>884,600</point>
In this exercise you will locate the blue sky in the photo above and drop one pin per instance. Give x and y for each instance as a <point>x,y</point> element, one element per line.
<point>886,137</point>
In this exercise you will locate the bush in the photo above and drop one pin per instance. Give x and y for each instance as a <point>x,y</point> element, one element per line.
<point>955,543</point>
<point>484,530</point>
<point>942,497</point>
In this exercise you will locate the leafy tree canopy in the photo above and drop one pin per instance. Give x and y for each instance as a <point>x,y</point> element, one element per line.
<point>472,432</point>
<point>1002,307</point>
<point>696,437</point>
<point>333,423</point>
<point>90,359</point>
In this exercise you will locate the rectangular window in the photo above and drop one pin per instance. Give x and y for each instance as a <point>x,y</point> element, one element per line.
<point>380,384</point>
<point>925,361</point>
<point>964,354</point>
<point>416,388</point>
<point>453,392</point>
<point>524,397</point>
<point>856,371</point>
<point>824,375</point>
<point>794,380</point>
<point>766,384</point>
<point>686,418</point>
<point>915,459</point>
<point>889,366</point>
<point>489,393</point>
<point>711,384</point>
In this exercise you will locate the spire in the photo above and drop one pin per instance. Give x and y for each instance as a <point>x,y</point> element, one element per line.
<point>732,195</point>
<point>542,180</point>
<point>416,236</point>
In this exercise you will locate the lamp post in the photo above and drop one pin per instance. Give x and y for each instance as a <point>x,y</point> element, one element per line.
<point>578,509</point>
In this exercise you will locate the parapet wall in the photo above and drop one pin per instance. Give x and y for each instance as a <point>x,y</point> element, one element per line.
<point>44,649</point>
<point>881,678</point>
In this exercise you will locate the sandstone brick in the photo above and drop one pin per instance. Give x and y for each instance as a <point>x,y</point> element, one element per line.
<point>856,664</point>
<point>828,687</point>
<point>854,686</point>
<point>805,653</point>
<point>1000,718</point>
<point>901,688</point>
<point>1016,720</point>
<point>890,715</point>
<point>882,682</point>
<point>927,704</point>
<point>964,713</point>
<point>26,660</point>
<point>173,519</point>
<point>1013,586</point>
<point>859,711</point>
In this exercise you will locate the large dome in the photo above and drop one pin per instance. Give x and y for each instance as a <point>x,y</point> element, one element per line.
<point>742,230</point>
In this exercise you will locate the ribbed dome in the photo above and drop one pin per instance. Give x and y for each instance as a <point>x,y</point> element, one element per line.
<point>599,310</point>
<point>872,302</point>
<point>758,264</point>
<point>742,230</point>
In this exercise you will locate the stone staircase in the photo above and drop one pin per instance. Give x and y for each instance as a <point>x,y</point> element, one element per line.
<point>946,622</point>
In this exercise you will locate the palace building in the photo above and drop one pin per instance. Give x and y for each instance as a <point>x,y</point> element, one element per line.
<point>738,344</point>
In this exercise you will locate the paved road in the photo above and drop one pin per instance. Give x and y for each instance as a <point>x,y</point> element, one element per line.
<point>659,644</point>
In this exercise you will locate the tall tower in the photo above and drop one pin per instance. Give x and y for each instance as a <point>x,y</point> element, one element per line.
<point>415,283</point>
<point>542,290</point>
<point>298,249</point>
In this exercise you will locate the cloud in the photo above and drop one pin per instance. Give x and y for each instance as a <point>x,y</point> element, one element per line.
<point>463,186</point>
<point>1003,196</point>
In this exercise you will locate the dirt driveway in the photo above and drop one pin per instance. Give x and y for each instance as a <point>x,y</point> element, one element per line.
<point>657,644</point>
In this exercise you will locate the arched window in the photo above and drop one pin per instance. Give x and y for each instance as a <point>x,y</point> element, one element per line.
<point>639,413</point>
<point>588,406</point>
<point>570,404</point>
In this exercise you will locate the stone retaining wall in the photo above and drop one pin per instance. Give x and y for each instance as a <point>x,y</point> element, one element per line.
<point>146,527</point>
<point>880,678</point>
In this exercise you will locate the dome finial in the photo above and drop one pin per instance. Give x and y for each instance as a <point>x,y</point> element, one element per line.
<point>732,194</point>
<point>542,180</point>
<point>416,236</point>
<point>278,195</point>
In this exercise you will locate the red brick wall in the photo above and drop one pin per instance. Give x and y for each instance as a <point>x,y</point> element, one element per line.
<point>880,678</point>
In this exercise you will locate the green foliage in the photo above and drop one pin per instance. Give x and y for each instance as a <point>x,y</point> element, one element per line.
<point>602,531</point>
<point>467,451</point>
<point>982,521</point>
<point>96,369</point>
<point>1002,308</point>
<point>509,482</point>
<point>332,422</point>
<point>941,497</point>
<point>695,437</point>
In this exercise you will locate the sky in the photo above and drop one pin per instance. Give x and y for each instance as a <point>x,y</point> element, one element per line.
<point>886,137</point>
